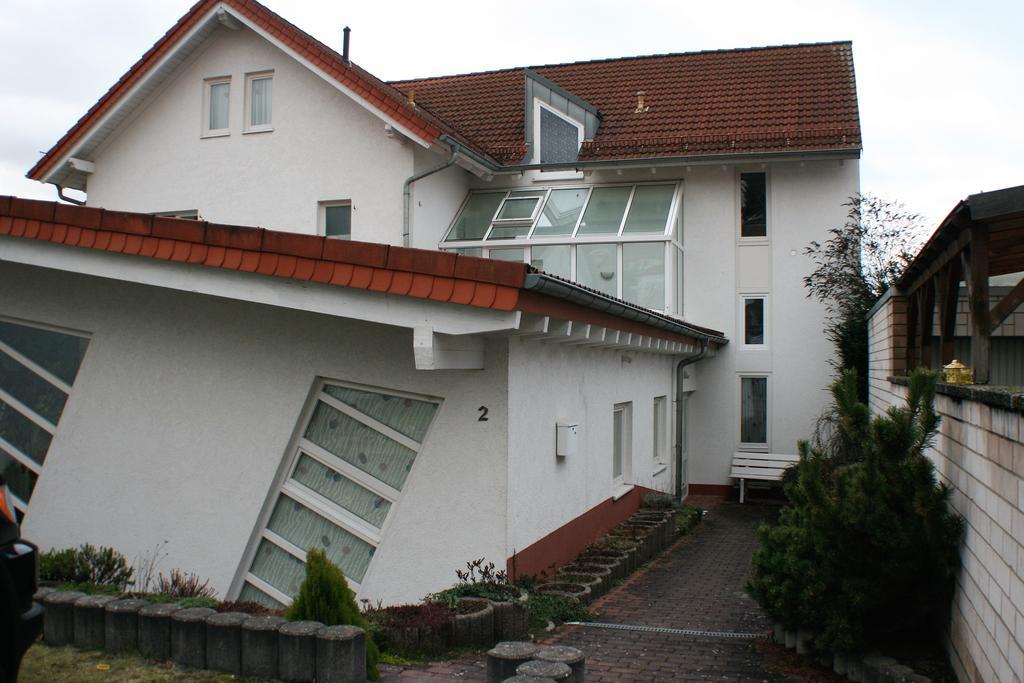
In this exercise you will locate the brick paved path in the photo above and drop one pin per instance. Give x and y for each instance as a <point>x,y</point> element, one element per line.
<point>697,584</point>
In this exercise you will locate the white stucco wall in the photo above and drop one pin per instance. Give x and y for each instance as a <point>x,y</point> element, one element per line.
<point>805,199</point>
<point>185,405</point>
<point>324,147</point>
<point>550,383</point>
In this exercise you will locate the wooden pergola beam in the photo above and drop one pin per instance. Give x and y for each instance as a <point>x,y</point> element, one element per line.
<point>981,318</point>
<point>1007,305</point>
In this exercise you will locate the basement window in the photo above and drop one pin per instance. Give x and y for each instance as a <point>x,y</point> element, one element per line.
<point>37,370</point>
<point>216,106</point>
<point>345,475</point>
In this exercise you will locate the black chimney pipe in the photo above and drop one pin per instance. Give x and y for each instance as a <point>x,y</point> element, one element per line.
<point>344,49</point>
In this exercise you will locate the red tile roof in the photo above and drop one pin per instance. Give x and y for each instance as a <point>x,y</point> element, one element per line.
<point>788,98</point>
<point>776,99</point>
<point>384,97</point>
<point>419,273</point>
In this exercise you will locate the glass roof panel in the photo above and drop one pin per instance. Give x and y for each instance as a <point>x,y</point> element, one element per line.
<point>476,216</point>
<point>604,212</point>
<point>559,215</point>
<point>649,209</point>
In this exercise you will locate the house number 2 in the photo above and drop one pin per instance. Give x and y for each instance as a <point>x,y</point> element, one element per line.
<point>483,414</point>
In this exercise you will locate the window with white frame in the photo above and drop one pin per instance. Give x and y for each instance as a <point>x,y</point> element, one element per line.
<point>190,214</point>
<point>335,219</point>
<point>557,136</point>
<point>622,443</point>
<point>753,205</point>
<point>623,240</point>
<point>660,436</point>
<point>37,370</point>
<point>216,106</point>
<point>754,412</point>
<point>259,89</point>
<point>344,475</point>
<point>755,312</point>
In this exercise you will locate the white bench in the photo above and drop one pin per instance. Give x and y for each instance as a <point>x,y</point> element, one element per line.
<point>760,467</point>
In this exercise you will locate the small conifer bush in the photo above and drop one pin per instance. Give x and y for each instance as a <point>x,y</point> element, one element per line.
<point>324,596</point>
<point>867,547</point>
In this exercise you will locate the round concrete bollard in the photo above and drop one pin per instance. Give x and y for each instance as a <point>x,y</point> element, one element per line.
<point>528,679</point>
<point>155,630</point>
<point>188,636</point>
<point>554,670</point>
<point>504,658</point>
<point>43,591</point>
<point>570,656</point>
<point>340,654</point>
<point>874,666</point>
<point>897,673</point>
<point>224,641</point>
<point>474,629</point>
<point>59,622</point>
<point>91,621</point>
<point>296,651</point>
<point>122,625</point>
<point>259,646</point>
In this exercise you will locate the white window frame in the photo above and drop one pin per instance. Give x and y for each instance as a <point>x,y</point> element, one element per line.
<point>285,485</point>
<point>321,217</point>
<point>537,106</point>
<point>660,427</point>
<point>208,84</point>
<point>748,446</point>
<point>249,127</point>
<point>26,412</point>
<point>754,240</point>
<point>190,214</point>
<point>623,480</point>
<point>742,326</point>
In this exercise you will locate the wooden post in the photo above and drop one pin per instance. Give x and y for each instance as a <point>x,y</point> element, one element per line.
<point>981,321</point>
<point>911,331</point>
<point>948,295</point>
<point>926,327</point>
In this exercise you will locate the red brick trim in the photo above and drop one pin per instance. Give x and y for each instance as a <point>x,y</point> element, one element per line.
<point>721,490</point>
<point>562,545</point>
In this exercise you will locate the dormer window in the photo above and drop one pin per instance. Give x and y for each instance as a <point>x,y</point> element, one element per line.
<point>558,136</point>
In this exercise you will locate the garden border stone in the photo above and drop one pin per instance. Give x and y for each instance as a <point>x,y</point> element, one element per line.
<point>340,654</point>
<point>296,653</point>
<point>59,619</point>
<point>475,629</point>
<point>91,621</point>
<point>188,636</point>
<point>504,658</point>
<point>224,641</point>
<point>259,646</point>
<point>154,637</point>
<point>122,624</point>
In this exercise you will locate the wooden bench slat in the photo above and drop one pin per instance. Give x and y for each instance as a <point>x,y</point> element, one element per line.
<point>757,473</point>
<point>760,466</point>
<point>748,462</point>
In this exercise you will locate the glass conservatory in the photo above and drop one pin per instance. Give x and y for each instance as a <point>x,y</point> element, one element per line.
<point>623,240</point>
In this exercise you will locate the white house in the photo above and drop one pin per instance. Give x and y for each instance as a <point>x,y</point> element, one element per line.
<point>246,394</point>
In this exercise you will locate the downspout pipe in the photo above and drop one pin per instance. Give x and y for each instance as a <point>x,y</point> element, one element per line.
<point>680,373</point>
<point>65,198</point>
<point>407,192</point>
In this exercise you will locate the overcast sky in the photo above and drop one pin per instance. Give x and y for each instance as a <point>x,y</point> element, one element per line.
<point>940,84</point>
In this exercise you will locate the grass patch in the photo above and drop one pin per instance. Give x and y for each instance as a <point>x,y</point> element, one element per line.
<point>43,664</point>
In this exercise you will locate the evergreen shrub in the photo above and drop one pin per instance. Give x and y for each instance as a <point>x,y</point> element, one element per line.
<point>324,596</point>
<point>866,547</point>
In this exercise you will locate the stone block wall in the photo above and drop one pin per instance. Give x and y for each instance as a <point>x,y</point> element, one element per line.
<point>980,454</point>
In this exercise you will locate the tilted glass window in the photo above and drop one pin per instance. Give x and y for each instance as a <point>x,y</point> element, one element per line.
<point>515,217</point>
<point>605,211</point>
<point>561,212</point>
<point>344,476</point>
<point>648,212</point>
<point>559,138</point>
<point>37,369</point>
<point>475,217</point>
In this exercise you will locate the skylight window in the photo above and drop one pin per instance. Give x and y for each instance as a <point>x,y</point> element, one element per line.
<point>560,137</point>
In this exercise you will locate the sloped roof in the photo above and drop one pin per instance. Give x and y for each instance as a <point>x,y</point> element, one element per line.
<point>770,99</point>
<point>794,98</point>
<point>401,271</point>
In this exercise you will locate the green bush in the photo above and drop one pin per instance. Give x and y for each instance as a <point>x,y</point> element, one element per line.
<point>659,501</point>
<point>324,596</point>
<point>866,547</point>
<point>86,564</point>
<point>544,608</point>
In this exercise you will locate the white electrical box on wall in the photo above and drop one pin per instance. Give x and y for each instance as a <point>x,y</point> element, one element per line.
<point>565,439</point>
